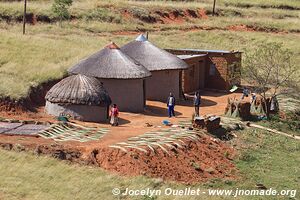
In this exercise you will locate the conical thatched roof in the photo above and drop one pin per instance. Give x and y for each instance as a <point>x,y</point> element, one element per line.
<point>152,57</point>
<point>79,89</point>
<point>112,63</point>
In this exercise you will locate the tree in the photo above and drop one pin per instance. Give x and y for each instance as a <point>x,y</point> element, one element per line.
<point>61,9</point>
<point>270,68</point>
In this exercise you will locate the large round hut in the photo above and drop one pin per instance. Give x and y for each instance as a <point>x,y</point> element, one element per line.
<point>165,67</point>
<point>81,97</point>
<point>123,77</point>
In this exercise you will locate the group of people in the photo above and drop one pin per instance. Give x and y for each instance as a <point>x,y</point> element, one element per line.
<point>246,93</point>
<point>171,104</point>
<point>114,111</point>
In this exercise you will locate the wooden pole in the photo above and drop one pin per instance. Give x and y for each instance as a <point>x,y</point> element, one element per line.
<point>24,16</point>
<point>214,7</point>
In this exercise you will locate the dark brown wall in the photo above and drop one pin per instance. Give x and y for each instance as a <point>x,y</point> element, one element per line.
<point>228,68</point>
<point>217,81</point>
<point>228,71</point>
<point>193,78</point>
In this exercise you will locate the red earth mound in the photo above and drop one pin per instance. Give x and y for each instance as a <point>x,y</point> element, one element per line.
<point>195,162</point>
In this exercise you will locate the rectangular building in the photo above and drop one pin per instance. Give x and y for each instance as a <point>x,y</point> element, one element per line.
<point>211,69</point>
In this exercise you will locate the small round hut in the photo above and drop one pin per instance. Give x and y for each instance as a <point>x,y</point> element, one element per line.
<point>81,97</point>
<point>165,67</point>
<point>123,77</point>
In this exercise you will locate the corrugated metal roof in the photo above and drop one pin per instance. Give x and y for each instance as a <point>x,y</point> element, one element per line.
<point>205,50</point>
<point>183,57</point>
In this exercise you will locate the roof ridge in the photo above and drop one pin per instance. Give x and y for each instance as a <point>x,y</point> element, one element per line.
<point>112,45</point>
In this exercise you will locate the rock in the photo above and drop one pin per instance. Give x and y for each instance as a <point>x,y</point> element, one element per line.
<point>69,156</point>
<point>59,154</point>
<point>210,170</point>
<point>18,148</point>
<point>37,150</point>
<point>260,186</point>
<point>158,182</point>
<point>7,146</point>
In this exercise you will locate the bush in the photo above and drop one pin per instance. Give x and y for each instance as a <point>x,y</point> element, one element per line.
<point>291,123</point>
<point>60,9</point>
<point>103,15</point>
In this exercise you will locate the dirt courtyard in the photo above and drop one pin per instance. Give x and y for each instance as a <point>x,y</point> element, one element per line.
<point>132,124</point>
<point>191,158</point>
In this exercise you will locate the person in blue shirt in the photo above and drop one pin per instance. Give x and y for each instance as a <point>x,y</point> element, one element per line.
<point>245,93</point>
<point>171,105</point>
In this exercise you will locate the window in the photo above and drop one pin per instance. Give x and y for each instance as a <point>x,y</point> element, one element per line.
<point>212,69</point>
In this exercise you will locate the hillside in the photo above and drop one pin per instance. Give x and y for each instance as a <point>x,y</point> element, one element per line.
<point>47,50</point>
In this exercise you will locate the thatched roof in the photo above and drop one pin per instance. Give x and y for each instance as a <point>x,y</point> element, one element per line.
<point>79,89</point>
<point>110,63</point>
<point>152,57</point>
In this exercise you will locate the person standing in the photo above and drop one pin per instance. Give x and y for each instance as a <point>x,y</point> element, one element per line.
<point>197,102</point>
<point>245,93</point>
<point>171,105</point>
<point>253,97</point>
<point>114,114</point>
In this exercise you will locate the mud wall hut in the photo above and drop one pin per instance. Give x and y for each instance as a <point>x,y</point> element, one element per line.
<point>123,77</point>
<point>165,67</point>
<point>81,97</point>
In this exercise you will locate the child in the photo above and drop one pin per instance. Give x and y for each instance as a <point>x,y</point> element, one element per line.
<point>114,113</point>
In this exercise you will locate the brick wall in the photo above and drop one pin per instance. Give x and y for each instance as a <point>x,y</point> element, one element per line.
<point>228,71</point>
<point>228,67</point>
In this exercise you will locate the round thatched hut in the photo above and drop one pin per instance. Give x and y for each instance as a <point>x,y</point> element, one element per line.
<point>122,76</point>
<point>83,98</point>
<point>165,67</point>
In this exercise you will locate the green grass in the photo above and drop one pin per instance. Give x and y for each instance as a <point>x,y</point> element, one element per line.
<point>47,50</point>
<point>264,158</point>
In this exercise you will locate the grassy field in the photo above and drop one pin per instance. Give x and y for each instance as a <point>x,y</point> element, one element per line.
<point>47,50</point>
<point>264,158</point>
<point>36,57</point>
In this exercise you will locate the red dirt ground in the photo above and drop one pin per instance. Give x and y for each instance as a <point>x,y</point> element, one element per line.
<point>208,154</point>
<point>197,161</point>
